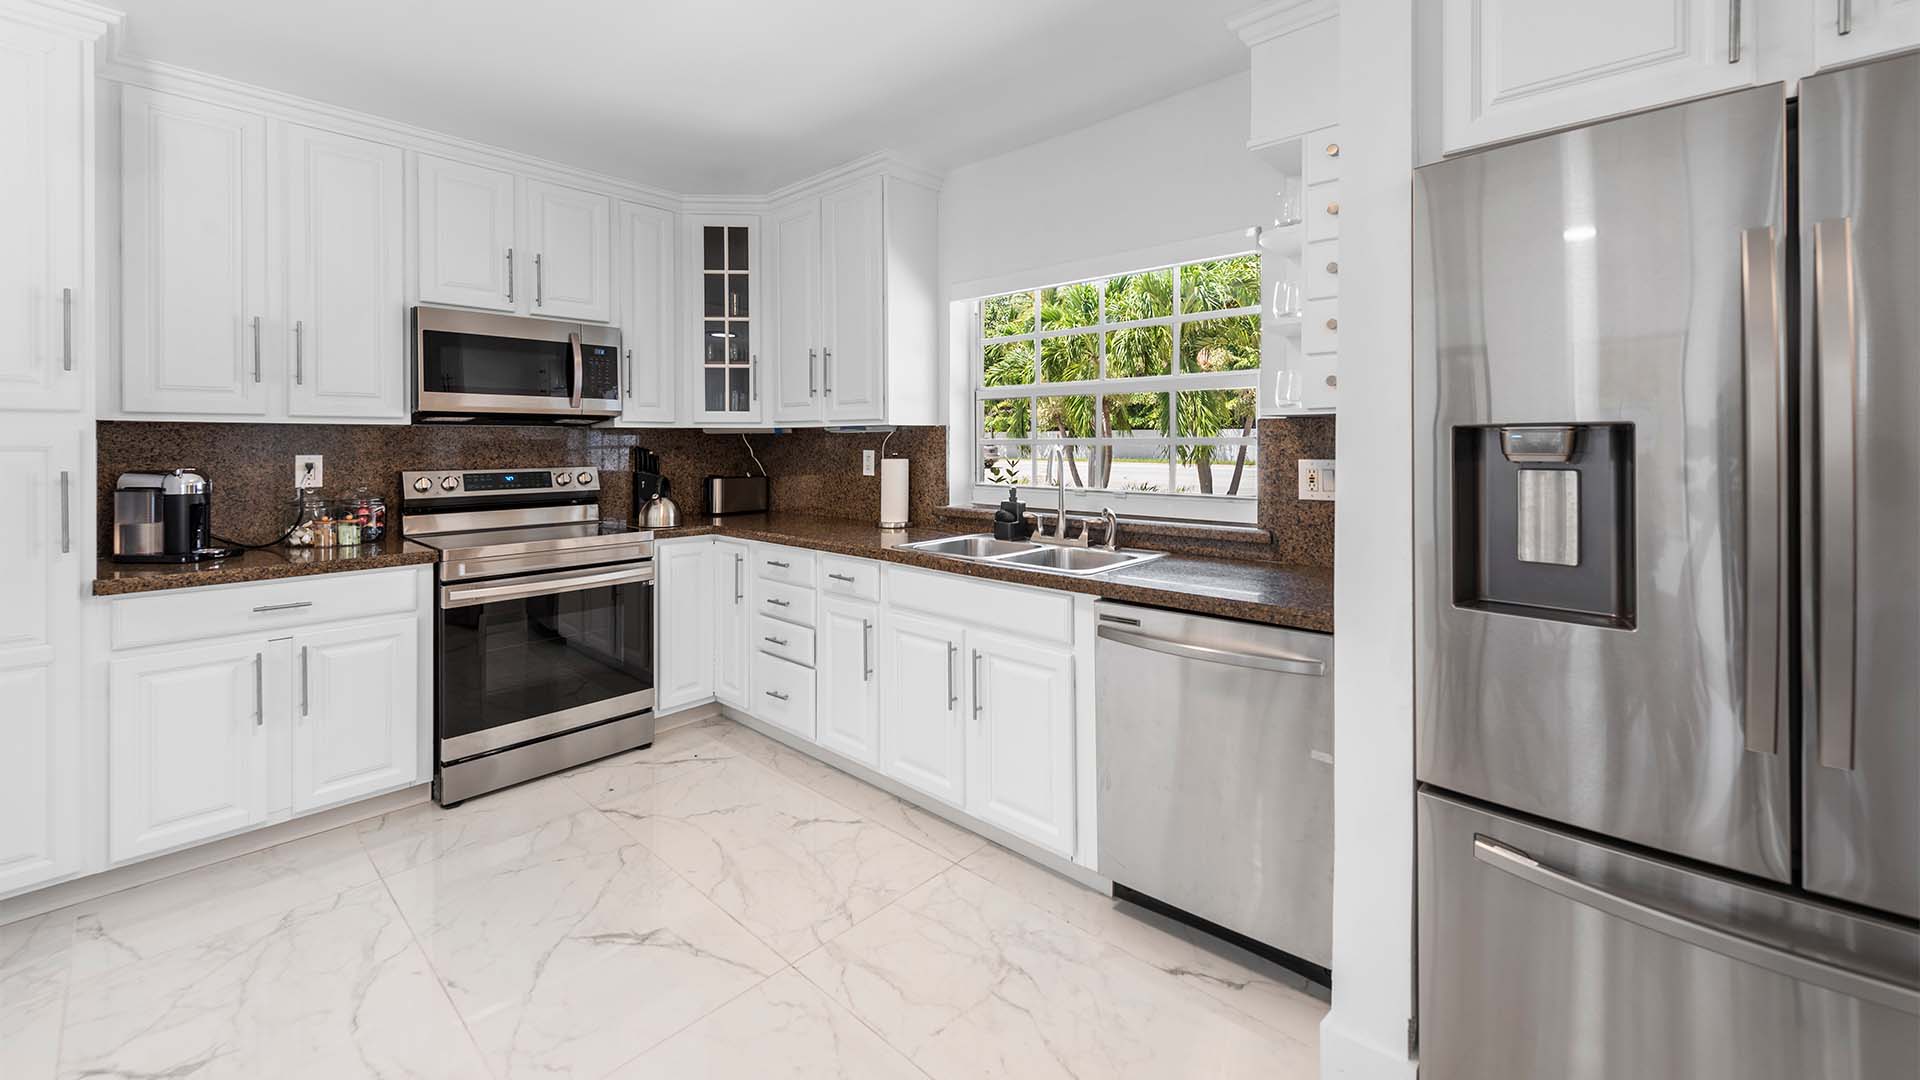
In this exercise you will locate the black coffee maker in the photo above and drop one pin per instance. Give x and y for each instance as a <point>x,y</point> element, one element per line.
<point>164,518</point>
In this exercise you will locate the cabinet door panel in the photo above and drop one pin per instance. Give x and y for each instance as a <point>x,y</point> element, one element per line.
<point>1514,67</point>
<point>855,331</point>
<point>1020,772</point>
<point>570,233</point>
<point>186,746</point>
<point>733,619</point>
<point>848,720</point>
<point>32,772</point>
<point>922,742</point>
<point>796,314</point>
<point>346,306</point>
<point>466,219</point>
<point>193,257</point>
<point>356,711</point>
<point>683,670</point>
<point>1872,27</point>
<point>646,314</point>
<point>42,226</point>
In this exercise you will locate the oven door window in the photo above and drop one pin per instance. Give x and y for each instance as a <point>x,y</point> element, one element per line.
<point>476,364</point>
<point>582,654</point>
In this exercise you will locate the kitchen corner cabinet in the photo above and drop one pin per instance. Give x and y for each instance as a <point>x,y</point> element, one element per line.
<point>465,217</point>
<point>683,666</point>
<point>568,237</point>
<point>853,340</point>
<point>848,666</point>
<point>44,77</point>
<point>732,620</point>
<point>724,276</point>
<point>644,281</point>
<point>355,731</point>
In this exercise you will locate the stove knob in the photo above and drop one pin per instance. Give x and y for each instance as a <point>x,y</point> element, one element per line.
<point>563,479</point>
<point>585,478</point>
<point>423,484</point>
<point>448,483</point>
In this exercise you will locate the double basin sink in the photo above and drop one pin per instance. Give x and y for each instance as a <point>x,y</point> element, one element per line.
<point>1052,558</point>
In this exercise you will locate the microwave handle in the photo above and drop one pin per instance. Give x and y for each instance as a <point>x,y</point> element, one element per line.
<point>579,368</point>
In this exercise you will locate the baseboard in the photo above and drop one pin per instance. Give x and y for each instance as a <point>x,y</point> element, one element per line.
<point>1344,1057</point>
<point>120,878</point>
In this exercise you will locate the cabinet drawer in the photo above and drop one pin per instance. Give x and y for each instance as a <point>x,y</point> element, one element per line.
<point>1323,269</point>
<point>197,614</point>
<point>785,640</point>
<point>1010,609</point>
<point>1323,155</point>
<point>783,693</point>
<point>1320,327</point>
<point>1323,212</point>
<point>849,577</point>
<point>793,603</point>
<point>790,565</point>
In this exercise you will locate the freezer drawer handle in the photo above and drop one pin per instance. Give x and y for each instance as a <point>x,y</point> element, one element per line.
<point>1287,665</point>
<point>1766,523</point>
<point>1835,392</point>
<point>1700,935</point>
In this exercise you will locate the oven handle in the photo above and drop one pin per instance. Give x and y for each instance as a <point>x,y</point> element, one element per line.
<point>457,596</point>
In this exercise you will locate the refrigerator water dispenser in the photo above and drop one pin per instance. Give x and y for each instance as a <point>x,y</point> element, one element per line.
<point>1543,521</point>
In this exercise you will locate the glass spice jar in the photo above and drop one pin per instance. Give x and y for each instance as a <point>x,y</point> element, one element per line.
<point>366,510</point>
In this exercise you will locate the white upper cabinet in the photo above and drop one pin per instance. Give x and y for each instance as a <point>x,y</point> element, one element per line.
<point>853,303</point>
<point>43,80</point>
<point>466,228</point>
<point>645,244</point>
<point>345,324</point>
<point>1849,30</point>
<point>724,257</point>
<point>568,236</point>
<point>1515,67</point>
<point>795,335</point>
<point>193,257</point>
<point>356,728</point>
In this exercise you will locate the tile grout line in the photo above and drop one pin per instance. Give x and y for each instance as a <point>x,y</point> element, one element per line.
<point>664,1039</point>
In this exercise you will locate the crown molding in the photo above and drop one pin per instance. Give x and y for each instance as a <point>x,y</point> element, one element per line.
<point>74,16</point>
<point>1269,21</point>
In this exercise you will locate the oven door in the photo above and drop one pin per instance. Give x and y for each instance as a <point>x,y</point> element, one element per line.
<point>526,657</point>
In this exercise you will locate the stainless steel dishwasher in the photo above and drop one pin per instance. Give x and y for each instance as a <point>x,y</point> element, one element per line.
<point>1215,750</point>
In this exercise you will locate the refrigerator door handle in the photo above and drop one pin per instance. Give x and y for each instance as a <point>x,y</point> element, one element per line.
<point>1835,371</point>
<point>1700,935</point>
<point>1766,523</point>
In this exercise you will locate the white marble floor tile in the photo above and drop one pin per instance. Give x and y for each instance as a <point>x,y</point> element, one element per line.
<point>35,955</point>
<point>568,959</point>
<point>336,988</point>
<point>1257,987</point>
<point>783,1029</point>
<point>792,865</point>
<point>610,780</point>
<point>189,908</point>
<point>419,834</point>
<point>972,981</point>
<point>30,1038</point>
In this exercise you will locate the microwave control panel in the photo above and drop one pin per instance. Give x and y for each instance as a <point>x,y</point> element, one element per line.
<point>600,372</point>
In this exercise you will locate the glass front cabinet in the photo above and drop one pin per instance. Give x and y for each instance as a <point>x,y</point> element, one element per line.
<point>725,300</point>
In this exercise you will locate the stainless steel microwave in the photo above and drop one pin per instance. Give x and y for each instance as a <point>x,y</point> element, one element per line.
<point>474,366</point>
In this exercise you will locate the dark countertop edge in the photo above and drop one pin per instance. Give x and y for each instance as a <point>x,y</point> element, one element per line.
<point>1130,527</point>
<point>1196,601</point>
<point>169,578</point>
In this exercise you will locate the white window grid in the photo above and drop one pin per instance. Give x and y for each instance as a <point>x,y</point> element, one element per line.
<point>1037,445</point>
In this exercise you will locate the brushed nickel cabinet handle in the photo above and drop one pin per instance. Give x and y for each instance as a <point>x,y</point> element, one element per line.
<point>539,282</point>
<point>848,578</point>
<point>813,355</point>
<point>629,378</point>
<point>777,602</point>
<point>778,563</point>
<point>776,695</point>
<point>66,329</point>
<point>283,607</point>
<point>256,348</point>
<point>953,692</point>
<point>977,704</point>
<point>1845,26</point>
<point>66,511</point>
<point>753,375</point>
<point>259,691</point>
<point>299,349</point>
<point>303,681</point>
<point>782,642</point>
<point>738,591</point>
<point>509,275</point>
<point>826,370</point>
<point>866,650</point>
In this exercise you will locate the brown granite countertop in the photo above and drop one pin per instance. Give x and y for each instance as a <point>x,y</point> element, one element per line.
<point>117,579</point>
<point>1300,597</point>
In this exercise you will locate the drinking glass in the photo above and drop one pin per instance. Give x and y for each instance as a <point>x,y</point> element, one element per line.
<point>1290,202</point>
<point>1286,299</point>
<point>1286,388</point>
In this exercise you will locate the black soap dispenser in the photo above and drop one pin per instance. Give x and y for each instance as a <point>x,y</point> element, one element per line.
<point>1010,521</point>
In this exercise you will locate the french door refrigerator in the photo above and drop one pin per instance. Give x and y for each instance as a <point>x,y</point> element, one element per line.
<point>1667,506</point>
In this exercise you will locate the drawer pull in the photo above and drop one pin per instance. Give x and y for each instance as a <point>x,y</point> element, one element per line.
<point>283,607</point>
<point>776,695</point>
<point>777,602</point>
<point>848,578</point>
<point>782,642</point>
<point>778,563</point>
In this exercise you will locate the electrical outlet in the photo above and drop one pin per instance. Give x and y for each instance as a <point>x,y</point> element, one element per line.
<point>308,471</point>
<point>1316,480</point>
<point>866,462</point>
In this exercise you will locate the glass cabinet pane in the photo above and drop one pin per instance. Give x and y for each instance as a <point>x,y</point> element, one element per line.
<point>715,245</point>
<point>716,295</point>
<point>716,389</point>
<point>737,248</point>
<point>714,341</point>
<point>737,296</point>
<point>739,350</point>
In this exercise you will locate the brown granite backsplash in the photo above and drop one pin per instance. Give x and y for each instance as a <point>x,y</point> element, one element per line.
<point>251,465</point>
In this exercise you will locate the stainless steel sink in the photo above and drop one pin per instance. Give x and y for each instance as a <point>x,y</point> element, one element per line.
<point>1078,561</point>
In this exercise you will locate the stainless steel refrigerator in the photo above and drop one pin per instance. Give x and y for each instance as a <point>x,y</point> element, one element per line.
<point>1667,457</point>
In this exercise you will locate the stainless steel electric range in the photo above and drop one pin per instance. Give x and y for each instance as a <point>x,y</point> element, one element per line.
<point>543,644</point>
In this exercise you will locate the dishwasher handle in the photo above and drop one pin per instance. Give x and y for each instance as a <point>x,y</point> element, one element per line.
<point>1285,663</point>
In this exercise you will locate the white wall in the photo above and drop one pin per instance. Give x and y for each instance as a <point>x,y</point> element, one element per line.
<point>1373,863</point>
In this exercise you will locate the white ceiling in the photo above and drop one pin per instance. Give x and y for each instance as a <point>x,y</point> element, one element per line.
<point>711,96</point>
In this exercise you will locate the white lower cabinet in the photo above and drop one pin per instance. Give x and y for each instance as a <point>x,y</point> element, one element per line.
<point>1020,763</point>
<point>849,697</point>
<point>784,694</point>
<point>683,665</point>
<point>922,742</point>
<point>732,623</point>
<point>187,745</point>
<point>355,731</point>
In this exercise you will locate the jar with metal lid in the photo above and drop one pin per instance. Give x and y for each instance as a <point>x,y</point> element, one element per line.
<point>366,509</point>
<point>310,510</point>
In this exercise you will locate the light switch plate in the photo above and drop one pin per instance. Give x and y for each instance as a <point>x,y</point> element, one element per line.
<point>304,479</point>
<point>866,462</point>
<point>1316,479</point>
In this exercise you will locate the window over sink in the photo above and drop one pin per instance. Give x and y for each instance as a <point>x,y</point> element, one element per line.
<point>1136,390</point>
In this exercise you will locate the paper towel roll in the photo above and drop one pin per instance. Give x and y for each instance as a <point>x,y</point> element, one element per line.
<point>893,493</point>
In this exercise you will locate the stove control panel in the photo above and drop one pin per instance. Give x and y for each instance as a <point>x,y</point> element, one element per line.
<point>439,484</point>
